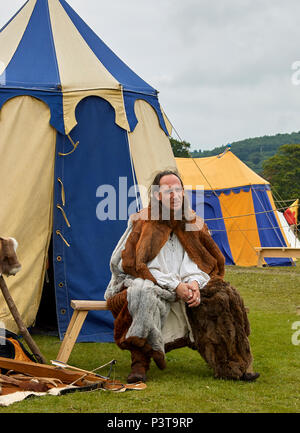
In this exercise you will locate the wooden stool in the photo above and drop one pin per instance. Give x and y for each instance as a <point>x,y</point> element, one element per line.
<point>81,308</point>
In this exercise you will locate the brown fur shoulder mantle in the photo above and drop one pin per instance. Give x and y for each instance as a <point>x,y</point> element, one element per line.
<point>149,236</point>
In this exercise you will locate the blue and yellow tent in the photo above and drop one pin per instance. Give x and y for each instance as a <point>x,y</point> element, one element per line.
<point>76,125</point>
<point>237,205</point>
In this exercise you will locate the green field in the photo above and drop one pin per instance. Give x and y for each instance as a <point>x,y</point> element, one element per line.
<point>187,385</point>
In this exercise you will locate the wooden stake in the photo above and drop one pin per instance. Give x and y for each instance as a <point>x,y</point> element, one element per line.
<point>22,328</point>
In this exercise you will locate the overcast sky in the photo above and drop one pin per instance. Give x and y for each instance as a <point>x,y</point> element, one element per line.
<point>223,67</point>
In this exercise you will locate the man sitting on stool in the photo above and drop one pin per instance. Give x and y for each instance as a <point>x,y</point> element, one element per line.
<point>167,289</point>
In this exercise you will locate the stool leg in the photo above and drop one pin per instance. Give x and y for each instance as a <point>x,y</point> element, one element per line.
<point>71,335</point>
<point>260,260</point>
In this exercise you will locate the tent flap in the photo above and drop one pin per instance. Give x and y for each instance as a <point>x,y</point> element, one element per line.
<point>240,224</point>
<point>26,210</point>
<point>269,231</point>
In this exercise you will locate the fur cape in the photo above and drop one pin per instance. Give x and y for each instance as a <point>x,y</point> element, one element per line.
<point>149,236</point>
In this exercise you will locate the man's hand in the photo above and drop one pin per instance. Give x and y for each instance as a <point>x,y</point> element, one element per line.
<point>189,293</point>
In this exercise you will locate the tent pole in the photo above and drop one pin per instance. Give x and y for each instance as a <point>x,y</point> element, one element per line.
<point>22,328</point>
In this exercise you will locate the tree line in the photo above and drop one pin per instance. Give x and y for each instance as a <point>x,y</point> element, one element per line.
<point>276,158</point>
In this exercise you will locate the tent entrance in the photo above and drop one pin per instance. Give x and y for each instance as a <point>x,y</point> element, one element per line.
<point>46,318</point>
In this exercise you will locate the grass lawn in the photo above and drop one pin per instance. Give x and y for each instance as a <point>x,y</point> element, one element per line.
<point>187,385</point>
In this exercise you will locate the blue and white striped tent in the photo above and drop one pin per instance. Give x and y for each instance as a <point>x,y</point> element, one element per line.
<point>77,126</point>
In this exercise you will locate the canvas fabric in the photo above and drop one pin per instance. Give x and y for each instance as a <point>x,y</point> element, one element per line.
<point>150,148</point>
<point>26,177</point>
<point>44,47</point>
<point>242,231</point>
<point>237,205</point>
<point>12,34</point>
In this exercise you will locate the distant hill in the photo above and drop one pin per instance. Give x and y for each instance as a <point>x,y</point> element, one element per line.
<point>253,151</point>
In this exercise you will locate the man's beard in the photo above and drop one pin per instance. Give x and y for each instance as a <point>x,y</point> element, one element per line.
<point>169,214</point>
<point>165,215</point>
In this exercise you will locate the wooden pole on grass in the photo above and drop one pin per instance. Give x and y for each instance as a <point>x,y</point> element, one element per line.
<point>22,328</point>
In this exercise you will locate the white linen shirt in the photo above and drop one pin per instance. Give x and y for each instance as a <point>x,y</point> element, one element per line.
<point>172,266</point>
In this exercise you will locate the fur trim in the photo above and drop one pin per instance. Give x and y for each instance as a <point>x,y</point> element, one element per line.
<point>118,305</point>
<point>179,343</point>
<point>148,237</point>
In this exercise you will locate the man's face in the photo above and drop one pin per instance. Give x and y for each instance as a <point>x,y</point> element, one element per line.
<point>171,192</point>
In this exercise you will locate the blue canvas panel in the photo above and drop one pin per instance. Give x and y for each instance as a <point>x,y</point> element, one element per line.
<point>119,70</point>
<point>89,176</point>
<point>269,233</point>
<point>34,63</point>
<point>212,210</point>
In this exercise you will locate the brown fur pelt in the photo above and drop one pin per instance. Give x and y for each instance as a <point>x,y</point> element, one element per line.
<point>221,328</point>
<point>9,263</point>
<point>118,305</point>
